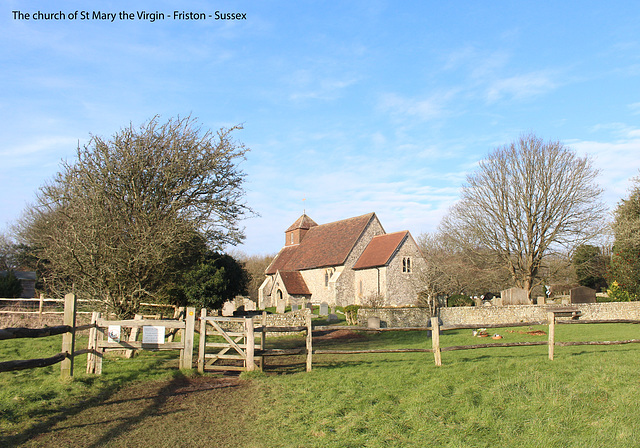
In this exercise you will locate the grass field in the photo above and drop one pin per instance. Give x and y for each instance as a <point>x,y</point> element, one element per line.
<point>497,397</point>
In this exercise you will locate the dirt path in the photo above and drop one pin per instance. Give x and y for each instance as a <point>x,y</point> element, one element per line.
<point>182,412</point>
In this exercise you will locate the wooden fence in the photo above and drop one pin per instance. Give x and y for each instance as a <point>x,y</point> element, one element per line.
<point>42,301</point>
<point>106,335</point>
<point>68,352</point>
<point>552,320</point>
<point>436,329</point>
<point>97,344</point>
<point>244,344</point>
<point>239,344</point>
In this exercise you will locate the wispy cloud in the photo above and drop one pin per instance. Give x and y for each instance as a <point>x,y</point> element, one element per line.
<point>23,154</point>
<point>617,161</point>
<point>635,108</point>
<point>435,106</point>
<point>521,86</point>
<point>306,85</point>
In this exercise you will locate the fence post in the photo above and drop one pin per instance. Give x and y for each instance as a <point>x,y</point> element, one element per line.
<point>309,342</point>
<point>551,317</point>
<point>69,338</point>
<point>186,360</point>
<point>435,340</point>
<point>178,314</point>
<point>133,336</point>
<point>99,351</point>
<point>263,334</point>
<point>91,356</point>
<point>40,308</point>
<point>250,343</point>
<point>203,340</point>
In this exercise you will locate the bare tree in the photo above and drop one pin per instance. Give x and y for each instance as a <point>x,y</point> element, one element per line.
<point>255,265</point>
<point>117,222</point>
<point>451,269</point>
<point>526,200</point>
<point>6,253</point>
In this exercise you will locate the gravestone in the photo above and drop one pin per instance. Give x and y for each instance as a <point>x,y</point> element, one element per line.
<point>373,322</point>
<point>228,308</point>
<point>309,306</point>
<point>324,309</point>
<point>333,318</point>
<point>280,306</point>
<point>294,307</point>
<point>541,300</point>
<point>249,305</point>
<point>514,296</point>
<point>583,294</point>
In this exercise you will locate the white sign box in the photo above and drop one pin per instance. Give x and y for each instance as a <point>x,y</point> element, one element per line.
<point>113,333</point>
<point>153,334</point>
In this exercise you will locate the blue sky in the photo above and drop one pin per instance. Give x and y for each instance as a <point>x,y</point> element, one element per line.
<point>354,106</point>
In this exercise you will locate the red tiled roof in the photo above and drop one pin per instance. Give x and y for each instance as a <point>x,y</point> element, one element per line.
<point>323,245</point>
<point>379,251</point>
<point>294,283</point>
<point>303,222</point>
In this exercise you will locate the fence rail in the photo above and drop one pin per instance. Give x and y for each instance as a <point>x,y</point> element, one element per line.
<point>98,345</point>
<point>68,352</point>
<point>436,329</point>
<point>240,344</point>
<point>41,301</point>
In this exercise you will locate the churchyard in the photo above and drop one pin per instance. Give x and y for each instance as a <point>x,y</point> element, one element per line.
<point>511,396</point>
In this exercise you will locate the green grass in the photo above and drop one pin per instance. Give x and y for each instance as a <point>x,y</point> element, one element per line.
<point>492,397</point>
<point>32,397</point>
<point>488,397</point>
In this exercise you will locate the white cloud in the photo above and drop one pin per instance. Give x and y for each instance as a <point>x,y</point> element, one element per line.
<point>23,154</point>
<point>521,86</point>
<point>423,109</point>
<point>635,108</point>
<point>618,162</point>
<point>306,84</point>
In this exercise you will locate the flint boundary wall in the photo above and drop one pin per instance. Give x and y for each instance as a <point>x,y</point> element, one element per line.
<point>395,317</point>
<point>496,315</point>
<point>290,319</point>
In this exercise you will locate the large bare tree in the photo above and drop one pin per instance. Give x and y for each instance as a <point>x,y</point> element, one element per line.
<point>118,221</point>
<point>527,199</point>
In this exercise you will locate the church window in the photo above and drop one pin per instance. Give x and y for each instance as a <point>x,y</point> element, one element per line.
<point>406,264</point>
<point>327,276</point>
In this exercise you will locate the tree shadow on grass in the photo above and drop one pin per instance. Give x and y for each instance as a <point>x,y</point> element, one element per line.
<point>179,385</point>
<point>139,415</point>
<point>102,391</point>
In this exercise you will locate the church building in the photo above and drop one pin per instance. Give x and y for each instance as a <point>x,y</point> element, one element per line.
<point>353,261</point>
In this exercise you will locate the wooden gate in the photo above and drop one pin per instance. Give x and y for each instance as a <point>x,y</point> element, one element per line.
<point>101,339</point>
<point>234,345</point>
